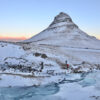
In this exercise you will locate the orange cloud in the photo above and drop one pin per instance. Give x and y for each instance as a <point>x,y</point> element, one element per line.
<point>15,39</point>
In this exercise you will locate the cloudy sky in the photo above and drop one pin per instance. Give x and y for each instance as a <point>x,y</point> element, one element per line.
<point>21,19</point>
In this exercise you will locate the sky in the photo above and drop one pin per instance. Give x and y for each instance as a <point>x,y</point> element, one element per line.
<point>22,19</point>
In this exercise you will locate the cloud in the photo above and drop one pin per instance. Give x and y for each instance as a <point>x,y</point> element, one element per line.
<point>13,39</point>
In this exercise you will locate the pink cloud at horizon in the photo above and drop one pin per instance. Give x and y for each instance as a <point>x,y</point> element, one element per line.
<point>13,39</point>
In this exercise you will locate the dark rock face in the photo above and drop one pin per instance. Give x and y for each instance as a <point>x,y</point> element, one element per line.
<point>63,19</point>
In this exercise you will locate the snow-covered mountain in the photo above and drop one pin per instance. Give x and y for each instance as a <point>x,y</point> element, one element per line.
<point>64,32</point>
<point>42,59</point>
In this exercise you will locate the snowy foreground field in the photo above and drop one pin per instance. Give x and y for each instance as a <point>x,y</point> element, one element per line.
<point>19,67</point>
<point>80,82</point>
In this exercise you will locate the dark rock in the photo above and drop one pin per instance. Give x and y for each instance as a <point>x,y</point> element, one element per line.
<point>44,56</point>
<point>37,54</point>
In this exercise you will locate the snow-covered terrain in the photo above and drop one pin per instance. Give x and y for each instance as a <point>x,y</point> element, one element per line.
<point>41,59</point>
<point>24,62</point>
<point>40,62</point>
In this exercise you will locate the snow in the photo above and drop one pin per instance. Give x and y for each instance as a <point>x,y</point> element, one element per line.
<point>56,57</point>
<point>61,41</point>
<point>12,80</point>
<point>76,91</point>
<point>52,72</point>
<point>10,50</point>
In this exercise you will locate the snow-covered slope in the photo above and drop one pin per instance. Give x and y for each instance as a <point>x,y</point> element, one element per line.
<point>64,32</point>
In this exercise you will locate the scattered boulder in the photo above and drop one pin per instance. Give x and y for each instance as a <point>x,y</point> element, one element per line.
<point>41,55</point>
<point>37,54</point>
<point>44,56</point>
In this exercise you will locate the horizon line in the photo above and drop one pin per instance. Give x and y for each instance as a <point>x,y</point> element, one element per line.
<point>15,39</point>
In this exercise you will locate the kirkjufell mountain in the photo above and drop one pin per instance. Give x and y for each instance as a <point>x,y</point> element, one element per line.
<point>42,59</point>
<point>64,32</point>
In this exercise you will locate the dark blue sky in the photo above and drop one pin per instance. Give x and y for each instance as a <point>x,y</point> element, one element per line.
<point>25,18</point>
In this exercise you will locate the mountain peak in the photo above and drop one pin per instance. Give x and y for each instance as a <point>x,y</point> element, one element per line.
<point>62,19</point>
<point>62,16</point>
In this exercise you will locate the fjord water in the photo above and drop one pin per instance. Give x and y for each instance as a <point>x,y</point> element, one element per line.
<point>46,91</point>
